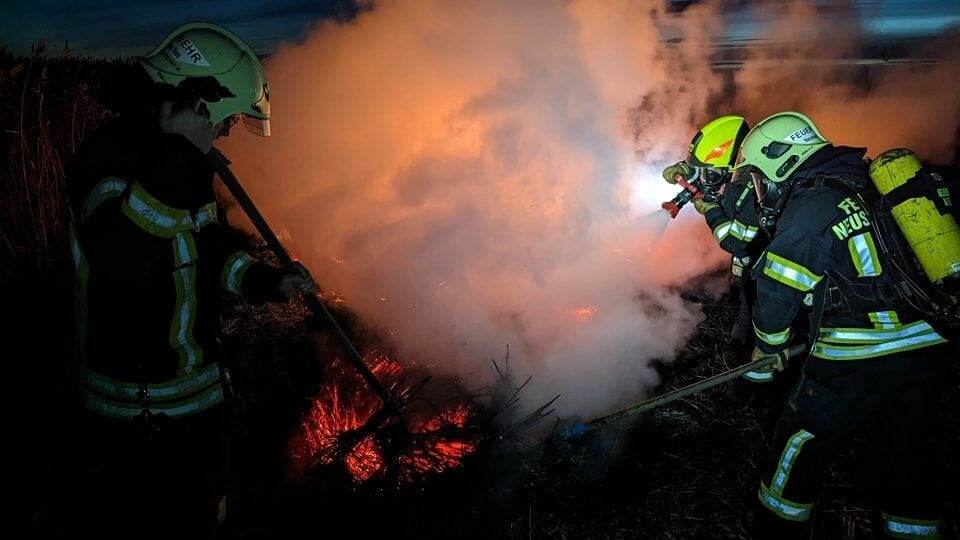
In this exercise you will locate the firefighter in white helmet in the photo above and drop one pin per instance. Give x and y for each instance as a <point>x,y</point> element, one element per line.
<point>151,257</point>
<point>876,365</point>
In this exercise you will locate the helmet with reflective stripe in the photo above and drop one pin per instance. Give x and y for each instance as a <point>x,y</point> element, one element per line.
<point>717,143</point>
<point>778,145</point>
<point>202,49</point>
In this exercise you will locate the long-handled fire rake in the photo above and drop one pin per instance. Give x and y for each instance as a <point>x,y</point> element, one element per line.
<point>347,351</point>
<point>679,393</point>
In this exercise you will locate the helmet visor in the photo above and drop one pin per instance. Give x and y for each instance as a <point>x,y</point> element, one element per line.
<point>257,126</point>
<point>259,122</point>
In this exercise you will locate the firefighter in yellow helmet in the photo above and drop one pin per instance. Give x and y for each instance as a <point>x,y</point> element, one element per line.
<point>876,364</point>
<point>151,255</point>
<point>730,212</point>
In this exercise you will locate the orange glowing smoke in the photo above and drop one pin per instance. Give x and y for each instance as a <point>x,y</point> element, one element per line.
<point>437,440</point>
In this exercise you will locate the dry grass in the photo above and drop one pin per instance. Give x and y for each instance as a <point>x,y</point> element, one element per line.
<point>50,107</point>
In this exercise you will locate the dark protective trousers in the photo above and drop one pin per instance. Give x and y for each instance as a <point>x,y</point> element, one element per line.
<point>741,334</point>
<point>894,402</point>
<point>163,479</point>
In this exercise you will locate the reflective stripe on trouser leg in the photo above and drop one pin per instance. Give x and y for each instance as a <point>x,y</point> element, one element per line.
<point>901,527</point>
<point>904,452</point>
<point>772,496</point>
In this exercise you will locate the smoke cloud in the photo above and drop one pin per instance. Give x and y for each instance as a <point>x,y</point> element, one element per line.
<point>473,176</point>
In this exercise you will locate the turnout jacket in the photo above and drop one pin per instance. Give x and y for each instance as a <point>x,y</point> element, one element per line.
<point>735,224</point>
<point>150,251</point>
<point>824,235</point>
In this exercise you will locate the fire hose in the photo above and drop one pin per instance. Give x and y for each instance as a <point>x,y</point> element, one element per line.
<point>346,348</point>
<point>704,183</point>
<point>691,190</point>
<point>679,393</point>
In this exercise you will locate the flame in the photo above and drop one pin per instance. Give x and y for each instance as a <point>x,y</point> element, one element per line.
<point>334,412</point>
<point>365,460</point>
<point>345,404</point>
<point>438,454</point>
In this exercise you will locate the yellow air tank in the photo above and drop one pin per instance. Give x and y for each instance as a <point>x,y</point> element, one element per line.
<point>934,237</point>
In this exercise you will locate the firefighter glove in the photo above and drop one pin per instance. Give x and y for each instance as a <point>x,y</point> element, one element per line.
<point>765,374</point>
<point>680,168</point>
<point>299,282</point>
<point>703,206</point>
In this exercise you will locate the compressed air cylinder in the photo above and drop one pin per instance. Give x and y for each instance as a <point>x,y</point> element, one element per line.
<point>933,236</point>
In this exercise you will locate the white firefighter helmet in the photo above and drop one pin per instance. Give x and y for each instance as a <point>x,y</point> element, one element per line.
<point>773,150</point>
<point>203,49</point>
<point>778,145</point>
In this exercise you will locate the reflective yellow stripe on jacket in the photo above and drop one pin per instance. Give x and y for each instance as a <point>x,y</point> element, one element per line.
<point>861,343</point>
<point>232,275</point>
<point>740,231</point>
<point>196,388</point>
<point>159,219</point>
<point>863,253</point>
<point>188,394</point>
<point>790,273</point>
<point>776,339</point>
<point>106,189</point>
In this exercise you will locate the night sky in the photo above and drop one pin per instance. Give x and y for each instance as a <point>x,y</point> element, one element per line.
<point>112,28</point>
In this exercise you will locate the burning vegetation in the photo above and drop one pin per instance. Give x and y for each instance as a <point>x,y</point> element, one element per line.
<point>338,429</point>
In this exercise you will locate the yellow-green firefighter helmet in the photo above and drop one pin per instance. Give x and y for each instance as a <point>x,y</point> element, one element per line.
<point>778,145</point>
<point>717,143</point>
<point>203,49</point>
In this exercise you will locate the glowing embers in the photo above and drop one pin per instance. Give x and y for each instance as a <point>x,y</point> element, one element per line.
<point>333,413</point>
<point>441,448</point>
<point>345,427</point>
<point>585,312</point>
